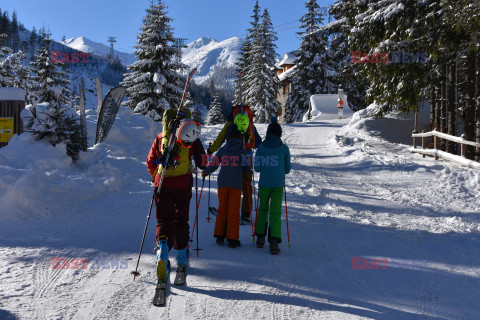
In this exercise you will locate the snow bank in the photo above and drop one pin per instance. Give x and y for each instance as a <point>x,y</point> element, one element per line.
<point>39,179</point>
<point>16,94</point>
<point>324,107</point>
<point>394,127</point>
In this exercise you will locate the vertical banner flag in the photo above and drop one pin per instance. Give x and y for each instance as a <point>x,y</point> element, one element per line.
<point>99,95</point>
<point>108,112</point>
<point>83,118</point>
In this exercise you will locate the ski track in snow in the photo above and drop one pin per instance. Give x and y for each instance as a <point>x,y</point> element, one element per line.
<point>348,196</point>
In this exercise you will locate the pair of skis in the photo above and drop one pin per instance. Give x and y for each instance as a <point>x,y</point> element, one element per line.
<point>159,298</point>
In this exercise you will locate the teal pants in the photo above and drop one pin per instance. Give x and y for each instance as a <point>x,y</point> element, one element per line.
<point>270,213</point>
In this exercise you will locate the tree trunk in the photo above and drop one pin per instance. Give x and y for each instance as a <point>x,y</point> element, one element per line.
<point>432,108</point>
<point>438,107</point>
<point>477,69</point>
<point>469,114</point>
<point>451,107</point>
<point>443,107</point>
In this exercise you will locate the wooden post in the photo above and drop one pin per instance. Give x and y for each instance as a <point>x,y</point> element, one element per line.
<point>435,145</point>
<point>423,145</point>
<point>462,150</point>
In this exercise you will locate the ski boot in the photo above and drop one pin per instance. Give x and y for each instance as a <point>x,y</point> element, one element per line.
<point>260,241</point>
<point>180,277</point>
<point>162,259</point>
<point>274,249</point>
<point>245,219</point>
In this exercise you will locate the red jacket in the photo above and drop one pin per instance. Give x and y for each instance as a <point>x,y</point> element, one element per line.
<point>179,182</point>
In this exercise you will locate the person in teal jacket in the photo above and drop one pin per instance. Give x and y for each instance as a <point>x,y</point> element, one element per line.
<point>272,160</point>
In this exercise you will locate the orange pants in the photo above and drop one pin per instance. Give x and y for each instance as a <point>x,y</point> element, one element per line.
<point>228,213</point>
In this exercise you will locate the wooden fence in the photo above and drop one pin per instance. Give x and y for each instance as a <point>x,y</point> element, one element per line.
<point>12,109</point>
<point>462,160</point>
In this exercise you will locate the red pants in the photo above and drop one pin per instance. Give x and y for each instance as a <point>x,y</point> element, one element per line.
<point>228,215</point>
<point>171,210</point>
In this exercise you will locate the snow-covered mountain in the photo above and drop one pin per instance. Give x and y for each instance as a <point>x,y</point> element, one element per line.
<point>213,59</point>
<point>86,45</point>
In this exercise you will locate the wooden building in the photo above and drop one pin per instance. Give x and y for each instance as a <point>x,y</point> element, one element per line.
<point>284,69</point>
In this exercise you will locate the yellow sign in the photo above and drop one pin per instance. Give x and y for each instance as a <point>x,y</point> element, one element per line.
<point>6,129</point>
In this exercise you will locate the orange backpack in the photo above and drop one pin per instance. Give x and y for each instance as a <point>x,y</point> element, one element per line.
<point>249,145</point>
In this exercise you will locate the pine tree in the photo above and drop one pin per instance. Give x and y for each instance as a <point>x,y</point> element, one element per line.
<point>6,72</point>
<point>48,76</point>
<point>261,81</point>
<point>215,113</point>
<point>243,65</point>
<point>310,75</point>
<point>14,72</point>
<point>154,83</point>
<point>56,124</point>
<point>32,41</point>
<point>14,36</point>
<point>196,114</point>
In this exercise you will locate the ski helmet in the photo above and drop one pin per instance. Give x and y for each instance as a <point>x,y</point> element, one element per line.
<point>188,131</point>
<point>242,122</point>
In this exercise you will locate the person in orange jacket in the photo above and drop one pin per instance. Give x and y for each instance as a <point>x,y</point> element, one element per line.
<point>247,178</point>
<point>232,161</point>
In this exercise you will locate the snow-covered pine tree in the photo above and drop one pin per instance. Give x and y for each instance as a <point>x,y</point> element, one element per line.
<point>56,123</point>
<point>261,83</point>
<point>196,114</point>
<point>47,75</point>
<point>215,113</point>
<point>14,72</point>
<point>243,65</point>
<point>5,67</point>
<point>154,83</point>
<point>346,75</point>
<point>310,75</point>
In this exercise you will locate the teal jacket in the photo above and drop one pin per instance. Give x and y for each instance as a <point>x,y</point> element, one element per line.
<point>272,160</point>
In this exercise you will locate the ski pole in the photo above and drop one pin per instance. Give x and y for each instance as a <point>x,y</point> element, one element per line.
<point>208,211</point>
<point>196,200</point>
<point>196,216</point>
<point>256,212</point>
<point>249,187</point>
<point>286,213</point>
<point>136,273</point>
<point>198,205</point>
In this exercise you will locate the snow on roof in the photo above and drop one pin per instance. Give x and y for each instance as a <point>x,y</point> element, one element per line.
<point>324,107</point>
<point>17,94</point>
<point>288,58</point>
<point>285,75</point>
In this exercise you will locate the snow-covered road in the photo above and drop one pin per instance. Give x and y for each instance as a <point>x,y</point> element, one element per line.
<point>349,196</point>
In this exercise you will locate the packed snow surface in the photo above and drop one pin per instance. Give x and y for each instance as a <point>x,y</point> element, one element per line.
<point>352,194</point>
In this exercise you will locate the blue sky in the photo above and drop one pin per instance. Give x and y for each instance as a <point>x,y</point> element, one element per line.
<point>98,19</point>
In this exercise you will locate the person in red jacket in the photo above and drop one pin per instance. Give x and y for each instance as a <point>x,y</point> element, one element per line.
<point>173,200</point>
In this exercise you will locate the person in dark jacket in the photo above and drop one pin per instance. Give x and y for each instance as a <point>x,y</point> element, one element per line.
<point>272,160</point>
<point>233,162</point>
<point>247,178</point>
